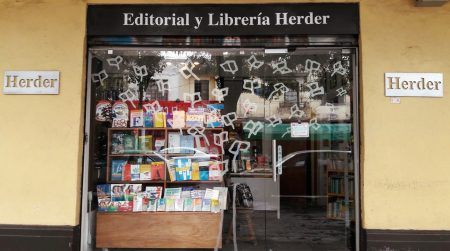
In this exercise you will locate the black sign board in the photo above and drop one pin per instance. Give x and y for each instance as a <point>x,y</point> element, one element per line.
<point>223,19</point>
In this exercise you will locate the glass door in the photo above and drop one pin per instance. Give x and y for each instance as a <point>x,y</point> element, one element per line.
<point>309,136</point>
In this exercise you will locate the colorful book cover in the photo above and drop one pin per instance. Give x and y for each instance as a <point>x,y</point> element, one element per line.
<point>170,205</point>
<point>214,171</point>
<point>152,205</point>
<point>174,142</point>
<point>145,172</point>
<point>125,206</point>
<point>179,203</point>
<point>130,190</point>
<point>136,118</point>
<point>183,169</point>
<point>154,192</point>
<point>195,117</point>
<point>114,206</point>
<point>126,175</point>
<point>159,119</point>
<point>171,171</point>
<point>204,175</point>
<point>188,204</point>
<point>117,144</point>
<point>129,143</point>
<point>135,172</point>
<point>195,171</point>
<point>223,196</point>
<point>215,208</point>
<point>103,197</point>
<point>138,202</point>
<point>146,143</point>
<point>214,119</point>
<point>197,205</point>
<point>117,193</point>
<point>161,205</point>
<point>172,193</point>
<point>148,119</point>
<point>117,169</point>
<point>206,205</point>
<point>157,170</point>
<point>179,118</point>
<point>187,144</point>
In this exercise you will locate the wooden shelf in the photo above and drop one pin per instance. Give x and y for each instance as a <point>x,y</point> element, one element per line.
<point>339,195</point>
<point>339,171</point>
<point>159,230</point>
<point>136,128</point>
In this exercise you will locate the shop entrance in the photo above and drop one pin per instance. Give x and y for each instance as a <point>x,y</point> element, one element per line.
<point>232,147</point>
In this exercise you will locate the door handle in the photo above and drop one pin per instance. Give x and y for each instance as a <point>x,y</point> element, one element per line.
<point>279,159</point>
<point>274,160</point>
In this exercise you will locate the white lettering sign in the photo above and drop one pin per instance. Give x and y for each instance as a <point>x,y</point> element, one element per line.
<point>31,82</point>
<point>414,84</point>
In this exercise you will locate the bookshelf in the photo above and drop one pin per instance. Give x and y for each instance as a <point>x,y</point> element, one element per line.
<point>172,229</point>
<point>340,188</point>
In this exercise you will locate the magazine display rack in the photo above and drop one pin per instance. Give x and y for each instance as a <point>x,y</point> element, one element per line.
<point>172,229</point>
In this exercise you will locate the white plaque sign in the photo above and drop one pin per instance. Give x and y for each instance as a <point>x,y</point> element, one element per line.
<point>414,84</point>
<point>31,82</point>
<point>299,130</point>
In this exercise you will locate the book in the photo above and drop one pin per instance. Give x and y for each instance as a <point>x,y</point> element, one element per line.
<point>215,208</point>
<point>117,169</point>
<point>136,118</point>
<point>161,205</point>
<point>126,174</point>
<point>174,142</point>
<point>179,204</point>
<point>198,194</point>
<point>159,144</point>
<point>145,172</point>
<point>197,205</point>
<point>103,197</point>
<point>183,169</point>
<point>125,206</point>
<point>195,117</point>
<point>114,207</point>
<point>130,190</point>
<point>154,192</point>
<point>148,119</point>
<point>140,202</point>
<point>146,143</point>
<point>170,204</point>
<point>204,174</point>
<point>157,170</point>
<point>223,196</point>
<point>211,194</point>
<point>171,170</point>
<point>206,205</point>
<point>195,171</point>
<point>117,144</point>
<point>187,144</point>
<point>214,171</point>
<point>117,193</point>
<point>172,192</point>
<point>152,205</point>
<point>213,119</point>
<point>185,194</point>
<point>129,143</point>
<point>188,204</point>
<point>179,118</point>
<point>135,172</point>
<point>159,119</point>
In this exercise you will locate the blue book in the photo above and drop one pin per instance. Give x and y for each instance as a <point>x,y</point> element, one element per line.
<point>117,169</point>
<point>104,197</point>
<point>187,144</point>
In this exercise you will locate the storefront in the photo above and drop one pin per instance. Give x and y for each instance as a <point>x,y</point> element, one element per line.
<point>230,126</point>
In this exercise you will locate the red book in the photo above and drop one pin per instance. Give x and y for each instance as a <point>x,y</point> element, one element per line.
<point>126,175</point>
<point>157,170</point>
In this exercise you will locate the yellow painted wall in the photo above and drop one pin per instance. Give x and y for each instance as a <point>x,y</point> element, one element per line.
<point>405,151</point>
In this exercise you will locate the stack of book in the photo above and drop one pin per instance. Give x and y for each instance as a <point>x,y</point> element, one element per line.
<point>123,170</point>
